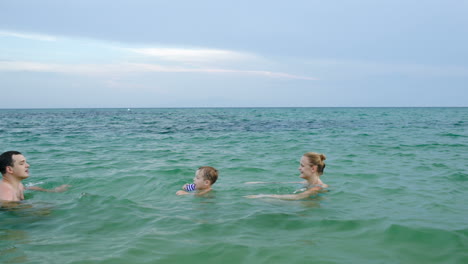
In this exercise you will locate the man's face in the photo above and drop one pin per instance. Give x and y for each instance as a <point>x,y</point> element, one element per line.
<point>20,167</point>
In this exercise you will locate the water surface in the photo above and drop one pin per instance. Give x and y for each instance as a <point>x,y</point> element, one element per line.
<point>398,180</point>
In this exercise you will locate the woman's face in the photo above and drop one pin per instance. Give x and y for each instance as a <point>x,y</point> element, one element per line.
<point>307,170</point>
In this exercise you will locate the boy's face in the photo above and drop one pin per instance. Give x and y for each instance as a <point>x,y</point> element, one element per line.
<point>200,182</point>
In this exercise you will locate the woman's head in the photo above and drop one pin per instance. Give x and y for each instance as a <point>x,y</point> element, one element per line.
<point>315,159</point>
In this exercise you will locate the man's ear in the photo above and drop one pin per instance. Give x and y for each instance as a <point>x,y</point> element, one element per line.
<point>207,182</point>
<point>9,169</point>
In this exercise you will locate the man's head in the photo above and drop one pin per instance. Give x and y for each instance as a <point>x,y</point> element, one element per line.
<point>13,162</point>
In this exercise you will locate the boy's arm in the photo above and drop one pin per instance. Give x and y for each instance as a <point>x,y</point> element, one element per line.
<point>61,188</point>
<point>203,192</point>
<point>194,193</point>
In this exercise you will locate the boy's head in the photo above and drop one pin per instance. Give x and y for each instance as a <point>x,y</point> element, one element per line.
<point>205,177</point>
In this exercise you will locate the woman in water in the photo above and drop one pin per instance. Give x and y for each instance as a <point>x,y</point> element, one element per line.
<point>311,168</point>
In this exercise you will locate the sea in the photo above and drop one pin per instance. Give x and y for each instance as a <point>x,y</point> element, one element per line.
<point>398,186</point>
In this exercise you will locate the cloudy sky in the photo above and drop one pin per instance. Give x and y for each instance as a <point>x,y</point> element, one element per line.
<point>243,53</point>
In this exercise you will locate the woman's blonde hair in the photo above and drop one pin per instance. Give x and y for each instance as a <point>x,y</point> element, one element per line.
<point>316,159</point>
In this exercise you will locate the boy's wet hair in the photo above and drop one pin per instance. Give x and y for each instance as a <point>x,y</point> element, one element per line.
<point>209,173</point>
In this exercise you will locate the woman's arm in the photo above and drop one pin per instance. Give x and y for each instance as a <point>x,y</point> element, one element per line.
<point>291,197</point>
<point>269,182</point>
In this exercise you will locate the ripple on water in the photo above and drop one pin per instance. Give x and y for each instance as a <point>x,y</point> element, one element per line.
<point>425,243</point>
<point>458,176</point>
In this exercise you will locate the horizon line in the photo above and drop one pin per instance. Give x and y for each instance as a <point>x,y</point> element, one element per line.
<point>227,107</point>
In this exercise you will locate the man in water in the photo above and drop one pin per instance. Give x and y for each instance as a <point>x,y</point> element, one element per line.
<point>14,169</point>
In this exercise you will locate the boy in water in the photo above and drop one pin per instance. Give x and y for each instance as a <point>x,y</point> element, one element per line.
<point>204,177</point>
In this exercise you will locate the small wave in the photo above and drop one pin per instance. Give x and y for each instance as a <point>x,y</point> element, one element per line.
<point>440,165</point>
<point>434,145</point>
<point>458,176</point>
<point>425,242</point>
<point>251,169</point>
<point>29,184</point>
<point>452,135</point>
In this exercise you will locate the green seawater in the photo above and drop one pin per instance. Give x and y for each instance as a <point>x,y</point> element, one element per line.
<point>398,186</point>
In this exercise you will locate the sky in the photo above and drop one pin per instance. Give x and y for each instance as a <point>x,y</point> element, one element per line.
<point>213,53</point>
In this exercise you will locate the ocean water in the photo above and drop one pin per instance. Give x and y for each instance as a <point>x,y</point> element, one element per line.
<point>398,179</point>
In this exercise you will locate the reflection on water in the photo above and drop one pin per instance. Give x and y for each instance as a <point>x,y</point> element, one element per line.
<point>14,206</point>
<point>10,246</point>
<point>24,209</point>
<point>15,220</point>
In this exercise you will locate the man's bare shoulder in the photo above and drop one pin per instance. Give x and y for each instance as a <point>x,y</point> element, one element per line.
<point>6,192</point>
<point>4,186</point>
